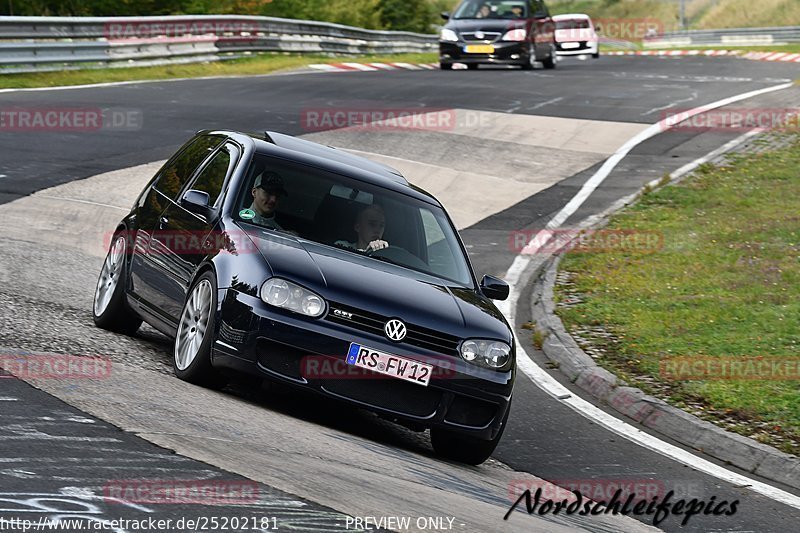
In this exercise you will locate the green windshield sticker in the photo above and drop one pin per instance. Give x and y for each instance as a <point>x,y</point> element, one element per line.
<point>247,214</point>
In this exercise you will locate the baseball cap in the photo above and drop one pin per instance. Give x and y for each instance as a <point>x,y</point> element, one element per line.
<point>271,182</point>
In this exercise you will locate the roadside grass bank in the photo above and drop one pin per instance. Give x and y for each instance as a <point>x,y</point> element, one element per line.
<point>725,284</point>
<point>252,65</point>
<point>700,14</point>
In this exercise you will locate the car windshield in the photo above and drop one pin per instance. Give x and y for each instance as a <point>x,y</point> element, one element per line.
<point>491,9</point>
<point>352,215</point>
<point>572,24</point>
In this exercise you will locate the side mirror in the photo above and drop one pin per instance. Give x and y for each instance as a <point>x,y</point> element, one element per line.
<point>494,288</point>
<point>196,201</point>
<point>445,15</point>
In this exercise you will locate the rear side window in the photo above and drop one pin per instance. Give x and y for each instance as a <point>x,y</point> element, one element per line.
<point>179,170</point>
<point>212,178</point>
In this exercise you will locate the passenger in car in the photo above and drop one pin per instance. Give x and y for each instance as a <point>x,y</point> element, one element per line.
<point>369,227</point>
<point>267,190</point>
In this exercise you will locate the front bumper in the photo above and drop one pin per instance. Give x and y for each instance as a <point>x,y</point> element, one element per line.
<point>257,339</point>
<point>505,53</point>
<point>584,47</point>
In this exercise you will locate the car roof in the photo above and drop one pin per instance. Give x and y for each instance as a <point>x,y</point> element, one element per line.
<point>333,160</point>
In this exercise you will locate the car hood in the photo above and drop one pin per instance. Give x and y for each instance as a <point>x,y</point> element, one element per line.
<point>389,290</point>
<point>486,25</point>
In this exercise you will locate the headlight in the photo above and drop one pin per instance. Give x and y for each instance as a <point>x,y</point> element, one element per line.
<point>287,295</point>
<point>493,354</point>
<point>514,35</point>
<point>448,35</point>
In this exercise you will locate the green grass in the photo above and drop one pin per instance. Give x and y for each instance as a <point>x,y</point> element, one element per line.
<point>257,64</point>
<point>700,14</point>
<point>725,284</point>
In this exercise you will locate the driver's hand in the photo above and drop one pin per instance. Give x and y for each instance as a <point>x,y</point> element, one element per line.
<point>374,246</point>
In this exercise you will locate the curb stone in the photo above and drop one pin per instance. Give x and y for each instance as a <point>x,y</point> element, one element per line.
<point>703,436</point>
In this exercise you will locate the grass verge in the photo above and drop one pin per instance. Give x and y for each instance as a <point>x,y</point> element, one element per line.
<point>257,64</point>
<point>726,283</point>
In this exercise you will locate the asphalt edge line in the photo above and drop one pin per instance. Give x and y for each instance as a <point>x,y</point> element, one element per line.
<point>524,268</point>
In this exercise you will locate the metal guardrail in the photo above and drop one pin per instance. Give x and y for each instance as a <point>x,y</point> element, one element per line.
<point>726,37</point>
<point>44,43</point>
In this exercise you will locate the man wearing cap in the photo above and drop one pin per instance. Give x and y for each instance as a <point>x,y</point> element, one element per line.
<point>266,191</point>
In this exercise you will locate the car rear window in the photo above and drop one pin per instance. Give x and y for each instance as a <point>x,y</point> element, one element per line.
<point>573,24</point>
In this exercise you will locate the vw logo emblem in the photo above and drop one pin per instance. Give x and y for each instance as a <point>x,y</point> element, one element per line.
<point>395,330</point>
<point>479,35</point>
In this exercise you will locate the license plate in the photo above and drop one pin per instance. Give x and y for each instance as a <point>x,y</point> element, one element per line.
<point>570,45</point>
<point>389,365</point>
<point>479,49</point>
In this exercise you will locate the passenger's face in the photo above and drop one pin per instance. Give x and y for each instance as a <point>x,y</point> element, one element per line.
<point>370,226</point>
<point>265,202</point>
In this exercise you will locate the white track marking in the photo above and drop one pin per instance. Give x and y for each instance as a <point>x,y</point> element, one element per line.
<point>359,66</point>
<point>547,383</point>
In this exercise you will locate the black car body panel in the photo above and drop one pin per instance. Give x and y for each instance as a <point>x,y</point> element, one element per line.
<point>360,293</point>
<point>537,45</point>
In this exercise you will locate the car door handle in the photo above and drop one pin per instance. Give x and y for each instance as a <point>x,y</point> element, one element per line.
<point>163,221</point>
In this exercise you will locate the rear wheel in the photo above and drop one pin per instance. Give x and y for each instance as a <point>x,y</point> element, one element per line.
<point>192,355</point>
<point>446,66</point>
<point>110,310</point>
<point>472,66</point>
<point>596,54</point>
<point>463,448</point>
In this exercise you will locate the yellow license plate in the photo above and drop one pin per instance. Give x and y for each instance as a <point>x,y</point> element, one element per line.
<point>479,49</point>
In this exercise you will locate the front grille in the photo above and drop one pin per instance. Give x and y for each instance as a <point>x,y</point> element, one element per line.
<point>488,37</point>
<point>428,339</point>
<point>391,394</point>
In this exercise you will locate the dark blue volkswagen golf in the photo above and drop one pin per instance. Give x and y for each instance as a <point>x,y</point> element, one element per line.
<point>296,262</point>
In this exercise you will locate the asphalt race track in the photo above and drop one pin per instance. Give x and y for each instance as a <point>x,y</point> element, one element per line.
<point>522,146</point>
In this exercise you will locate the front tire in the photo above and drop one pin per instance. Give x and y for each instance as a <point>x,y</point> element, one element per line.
<point>472,66</point>
<point>191,359</point>
<point>446,66</point>
<point>110,309</point>
<point>550,61</point>
<point>463,448</point>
